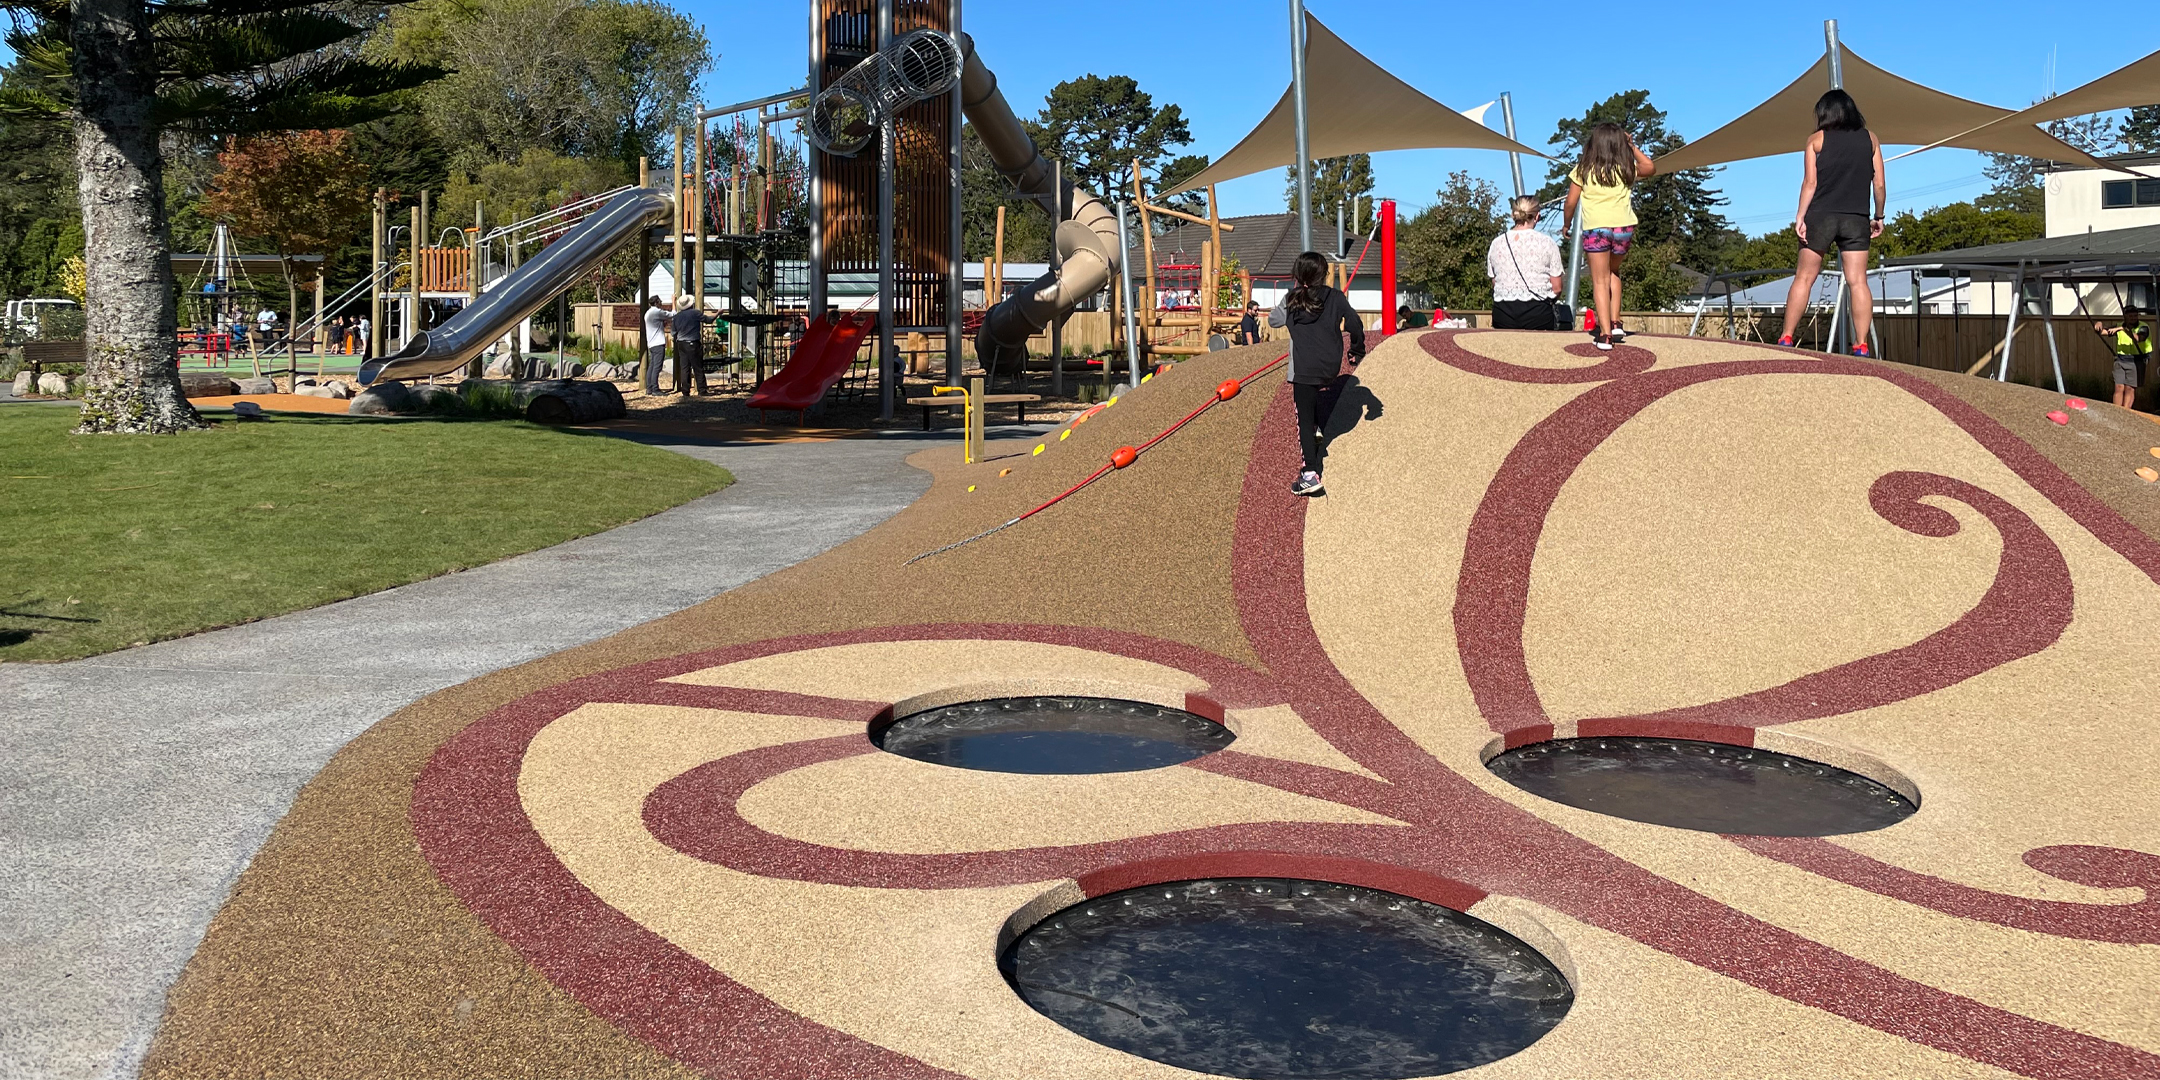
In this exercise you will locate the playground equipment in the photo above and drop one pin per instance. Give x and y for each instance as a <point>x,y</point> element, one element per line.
<point>524,291</point>
<point>824,354</point>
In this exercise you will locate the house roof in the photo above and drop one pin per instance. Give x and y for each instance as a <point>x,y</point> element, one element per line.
<point>1266,245</point>
<point>2133,246</point>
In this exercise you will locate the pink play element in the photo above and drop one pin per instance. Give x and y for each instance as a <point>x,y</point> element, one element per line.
<point>824,354</point>
<point>2059,416</point>
<point>2077,403</point>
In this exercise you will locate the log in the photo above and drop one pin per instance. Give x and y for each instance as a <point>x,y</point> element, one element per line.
<point>207,384</point>
<point>565,401</point>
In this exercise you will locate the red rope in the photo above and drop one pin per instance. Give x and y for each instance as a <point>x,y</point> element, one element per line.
<point>1223,393</point>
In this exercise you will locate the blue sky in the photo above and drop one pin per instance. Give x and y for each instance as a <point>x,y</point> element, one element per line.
<point>1703,63</point>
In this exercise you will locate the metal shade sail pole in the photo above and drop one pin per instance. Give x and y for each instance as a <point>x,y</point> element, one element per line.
<point>888,154</point>
<point>1507,120</point>
<point>1125,298</point>
<point>2017,304</point>
<point>1837,54</point>
<point>1304,140</point>
<point>1574,266</point>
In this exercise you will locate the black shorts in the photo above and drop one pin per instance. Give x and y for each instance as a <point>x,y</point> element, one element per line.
<point>1848,231</point>
<point>1522,315</point>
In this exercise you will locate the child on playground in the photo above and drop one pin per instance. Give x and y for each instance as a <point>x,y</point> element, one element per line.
<point>1842,164</point>
<point>2132,343</point>
<point>1317,316</point>
<point>1601,185</point>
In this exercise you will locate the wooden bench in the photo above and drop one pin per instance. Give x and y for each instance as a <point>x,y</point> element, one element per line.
<point>1020,401</point>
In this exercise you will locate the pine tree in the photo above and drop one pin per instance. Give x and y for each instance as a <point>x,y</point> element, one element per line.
<point>119,74</point>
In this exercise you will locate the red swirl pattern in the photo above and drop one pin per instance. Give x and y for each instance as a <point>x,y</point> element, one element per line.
<point>1454,842</point>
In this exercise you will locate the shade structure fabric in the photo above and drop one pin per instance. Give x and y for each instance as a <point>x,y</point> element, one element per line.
<point>2127,87</point>
<point>1899,111</point>
<point>1352,106</point>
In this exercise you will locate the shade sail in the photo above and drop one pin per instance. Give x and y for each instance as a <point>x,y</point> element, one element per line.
<point>1352,106</point>
<point>1899,111</point>
<point>2127,87</point>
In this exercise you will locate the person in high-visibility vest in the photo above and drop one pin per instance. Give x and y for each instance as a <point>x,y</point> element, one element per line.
<point>2132,342</point>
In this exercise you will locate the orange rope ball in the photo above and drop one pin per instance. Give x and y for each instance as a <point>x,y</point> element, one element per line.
<point>1123,456</point>
<point>1229,389</point>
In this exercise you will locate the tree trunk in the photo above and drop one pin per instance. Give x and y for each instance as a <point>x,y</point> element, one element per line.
<point>133,366</point>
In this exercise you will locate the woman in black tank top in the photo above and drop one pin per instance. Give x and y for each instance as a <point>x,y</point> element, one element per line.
<point>1844,169</point>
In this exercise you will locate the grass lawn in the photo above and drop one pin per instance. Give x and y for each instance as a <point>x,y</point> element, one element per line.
<point>111,540</point>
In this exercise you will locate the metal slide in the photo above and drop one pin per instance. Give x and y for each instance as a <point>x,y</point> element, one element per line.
<point>527,289</point>
<point>1088,243</point>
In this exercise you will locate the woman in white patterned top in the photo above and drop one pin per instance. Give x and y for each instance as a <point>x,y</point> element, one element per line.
<point>1524,265</point>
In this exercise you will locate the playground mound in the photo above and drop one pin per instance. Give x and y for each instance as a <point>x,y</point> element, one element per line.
<point>681,850</point>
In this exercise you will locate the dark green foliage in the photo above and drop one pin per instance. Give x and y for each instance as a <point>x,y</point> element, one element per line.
<point>1336,181</point>
<point>1098,125</point>
<point>1442,248</point>
<point>225,67</point>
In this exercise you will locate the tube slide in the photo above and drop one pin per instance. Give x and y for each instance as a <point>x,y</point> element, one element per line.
<point>529,288</point>
<point>1088,243</point>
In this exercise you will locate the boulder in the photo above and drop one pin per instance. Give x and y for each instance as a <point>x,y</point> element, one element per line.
<point>53,383</point>
<point>435,400</point>
<point>257,386</point>
<point>382,399</point>
<point>562,401</point>
<point>499,368</point>
<point>627,372</point>
<point>248,410</point>
<point>207,384</point>
<point>339,388</point>
<point>601,370</point>
<point>24,384</point>
<point>311,390</point>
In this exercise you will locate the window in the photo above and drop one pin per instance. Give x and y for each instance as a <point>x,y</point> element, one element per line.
<point>2117,194</point>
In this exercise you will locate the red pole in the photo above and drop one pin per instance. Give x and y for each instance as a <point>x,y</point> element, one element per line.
<point>1387,267</point>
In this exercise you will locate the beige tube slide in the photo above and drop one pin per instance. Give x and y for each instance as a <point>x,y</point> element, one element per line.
<point>1087,244</point>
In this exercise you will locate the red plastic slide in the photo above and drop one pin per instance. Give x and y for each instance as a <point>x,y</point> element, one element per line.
<point>823,355</point>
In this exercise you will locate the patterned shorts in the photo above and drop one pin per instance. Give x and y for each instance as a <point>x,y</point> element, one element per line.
<point>1616,241</point>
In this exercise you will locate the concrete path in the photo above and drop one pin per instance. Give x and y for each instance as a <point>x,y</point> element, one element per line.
<point>135,786</point>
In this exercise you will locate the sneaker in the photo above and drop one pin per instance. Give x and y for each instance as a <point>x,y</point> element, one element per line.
<point>1619,331</point>
<point>1861,350</point>
<point>1307,484</point>
<point>1785,342</point>
<point>1604,343</point>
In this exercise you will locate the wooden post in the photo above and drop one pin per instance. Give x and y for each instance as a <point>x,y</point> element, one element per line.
<point>1152,304</point>
<point>991,299</point>
<point>697,219</point>
<point>1215,227</point>
<point>682,211</point>
<point>322,333</point>
<point>1204,300</point>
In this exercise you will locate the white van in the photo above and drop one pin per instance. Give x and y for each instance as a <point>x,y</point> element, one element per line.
<point>22,315</point>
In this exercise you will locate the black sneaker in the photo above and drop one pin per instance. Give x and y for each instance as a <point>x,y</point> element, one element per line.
<point>1619,332</point>
<point>1307,484</point>
<point>1604,343</point>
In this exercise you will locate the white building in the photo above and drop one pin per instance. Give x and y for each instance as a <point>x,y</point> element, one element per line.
<point>2102,200</point>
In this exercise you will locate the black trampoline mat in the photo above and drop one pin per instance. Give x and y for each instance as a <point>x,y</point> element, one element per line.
<point>1270,978</point>
<point>1054,735</point>
<point>1706,786</point>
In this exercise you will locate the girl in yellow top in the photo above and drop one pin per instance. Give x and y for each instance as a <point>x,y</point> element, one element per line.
<point>1600,186</point>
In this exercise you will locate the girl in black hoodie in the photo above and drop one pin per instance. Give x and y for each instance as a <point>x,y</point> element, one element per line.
<point>1317,316</point>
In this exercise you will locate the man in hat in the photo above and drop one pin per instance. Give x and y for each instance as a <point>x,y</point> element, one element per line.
<point>2132,342</point>
<point>687,327</point>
